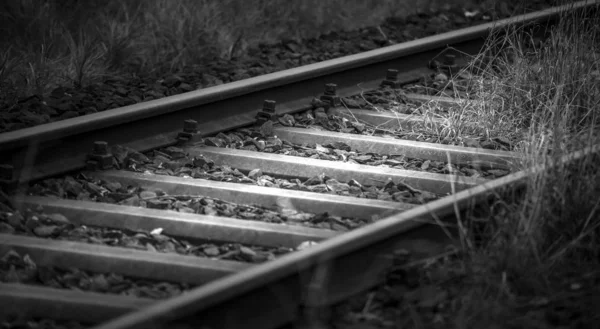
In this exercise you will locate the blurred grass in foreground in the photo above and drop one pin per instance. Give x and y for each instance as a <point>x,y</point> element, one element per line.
<point>47,43</point>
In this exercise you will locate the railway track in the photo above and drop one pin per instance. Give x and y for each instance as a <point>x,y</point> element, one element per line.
<point>219,209</point>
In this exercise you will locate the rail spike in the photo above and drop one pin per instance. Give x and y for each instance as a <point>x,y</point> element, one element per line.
<point>446,64</point>
<point>391,79</point>
<point>267,113</point>
<point>100,158</point>
<point>190,132</point>
<point>330,95</point>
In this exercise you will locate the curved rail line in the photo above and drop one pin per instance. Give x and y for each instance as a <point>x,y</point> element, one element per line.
<point>232,294</point>
<point>59,147</point>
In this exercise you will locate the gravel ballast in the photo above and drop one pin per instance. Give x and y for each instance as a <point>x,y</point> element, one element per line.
<point>117,91</point>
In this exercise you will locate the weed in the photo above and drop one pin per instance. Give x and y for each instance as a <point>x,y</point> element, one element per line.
<point>551,95</point>
<point>77,38</point>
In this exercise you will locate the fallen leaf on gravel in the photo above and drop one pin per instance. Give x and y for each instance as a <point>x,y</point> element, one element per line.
<point>441,78</point>
<point>354,182</point>
<point>266,129</point>
<point>260,145</point>
<point>136,156</point>
<point>150,247</point>
<point>169,247</point>
<point>320,148</point>
<point>247,253</point>
<point>425,165</point>
<point>351,103</point>
<point>32,222</point>
<point>158,204</point>
<point>211,251</point>
<point>358,126</point>
<point>213,141</point>
<point>340,146</point>
<point>134,201</point>
<point>287,120</point>
<point>211,211</point>
<point>72,186</point>
<point>147,195</point>
<point>94,189</point>
<point>319,179</point>
<point>471,172</point>
<point>46,230</point>
<point>319,188</point>
<point>99,283</point>
<point>362,158</point>
<point>113,186</point>
<point>201,161</point>
<point>306,244</point>
<point>175,152</point>
<point>226,138</point>
<point>427,196</point>
<point>321,118</point>
<point>255,173</point>
<point>59,219</point>
<point>498,172</point>
<point>336,186</point>
<point>299,217</point>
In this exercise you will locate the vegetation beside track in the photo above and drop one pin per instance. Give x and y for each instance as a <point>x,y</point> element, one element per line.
<point>530,260</point>
<point>545,245</point>
<point>77,43</point>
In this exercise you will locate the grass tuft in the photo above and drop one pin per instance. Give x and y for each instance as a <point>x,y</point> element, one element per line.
<point>545,97</point>
<point>76,42</point>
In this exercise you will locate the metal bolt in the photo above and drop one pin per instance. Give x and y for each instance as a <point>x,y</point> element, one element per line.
<point>449,59</point>
<point>100,158</point>
<point>190,126</point>
<point>391,75</point>
<point>100,148</point>
<point>189,133</point>
<point>391,79</point>
<point>330,95</point>
<point>6,172</point>
<point>267,113</point>
<point>330,89</point>
<point>269,106</point>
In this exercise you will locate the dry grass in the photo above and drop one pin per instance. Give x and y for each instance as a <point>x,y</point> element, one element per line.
<point>77,42</point>
<point>540,247</point>
<point>548,237</point>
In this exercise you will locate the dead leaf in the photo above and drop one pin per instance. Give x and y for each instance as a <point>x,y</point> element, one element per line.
<point>58,219</point>
<point>46,230</point>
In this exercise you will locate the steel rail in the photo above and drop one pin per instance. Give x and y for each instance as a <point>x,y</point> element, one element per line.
<point>60,147</point>
<point>294,288</point>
